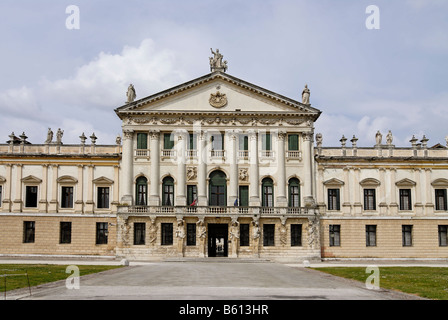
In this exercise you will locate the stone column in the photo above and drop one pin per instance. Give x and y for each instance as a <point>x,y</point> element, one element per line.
<point>254,188</point>
<point>429,204</point>
<point>357,190</point>
<point>18,203</point>
<point>281,171</point>
<point>7,189</point>
<point>89,200</point>
<point>53,206</point>
<point>116,188</point>
<point>393,192</point>
<point>79,203</point>
<point>382,202</point>
<point>43,203</point>
<point>233,158</point>
<point>127,167</point>
<point>154,193</point>
<point>181,199</point>
<point>346,204</point>
<point>307,165</point>
<point>202,167</point>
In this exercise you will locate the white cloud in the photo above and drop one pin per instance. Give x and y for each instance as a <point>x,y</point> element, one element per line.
<point>85,101</point>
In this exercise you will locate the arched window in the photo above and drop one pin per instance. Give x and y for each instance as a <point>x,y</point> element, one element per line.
<point>168,192</point>
<point>267,192</point>
<point>218,188</point>
<point>294,192</point>
<point>141,191</point>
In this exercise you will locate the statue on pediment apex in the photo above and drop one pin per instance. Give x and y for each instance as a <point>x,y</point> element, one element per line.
<point>216,63</point>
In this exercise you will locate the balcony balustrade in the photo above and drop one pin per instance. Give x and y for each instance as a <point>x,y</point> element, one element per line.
<point>213,211</point>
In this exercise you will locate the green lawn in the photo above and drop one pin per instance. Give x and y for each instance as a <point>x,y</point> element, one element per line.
<point>427,282</point>
<point>39,274</point>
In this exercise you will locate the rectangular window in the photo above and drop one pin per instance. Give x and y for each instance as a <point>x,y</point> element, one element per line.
<point>296,235</point>
<point>142,141</point>
<point>1,196</point>
<point>192,145</point>
<point>31,197</point>
<point>65,233</point>
<point>103,198</point>
<point>266,142</point>
<point>405,199</point>
<point>268,235</point>
<point>334,200</point>
<point>217,140</point>
<point>293,142</point>
<point>139,233</point>
<point>101,232</point>
<point>167,234</point>
<point>443,236</point>
<point>29,230</point>
<point>192,195</point>
<point>407,235</point>
<point>67,197</point>
<point>335,235</point>
<point>191,234</point>
<point>268,196</point>
<point>369,199</point>
<point>243,200</point>
<point>370,235</point>
<point>168,142</point>
<point>441,203</point>
<point>294,196</point>
<point>244,235</point>
<point>243,142</point>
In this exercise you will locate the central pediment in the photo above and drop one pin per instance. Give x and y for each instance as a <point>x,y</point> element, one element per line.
<point>217,93</point>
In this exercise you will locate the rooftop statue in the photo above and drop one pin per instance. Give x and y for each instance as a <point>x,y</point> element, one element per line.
<point>216,63</point>
<point>306,95</point>
<point>131,94</point>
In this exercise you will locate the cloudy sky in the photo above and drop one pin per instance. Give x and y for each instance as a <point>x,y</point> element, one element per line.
<point>363,80</point>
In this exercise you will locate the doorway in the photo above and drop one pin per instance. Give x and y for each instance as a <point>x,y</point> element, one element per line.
<point>218,235</point>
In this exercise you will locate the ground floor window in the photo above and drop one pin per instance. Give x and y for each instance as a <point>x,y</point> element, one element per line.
<point>191,234</point>
<point>101,232</point>
<point>296,235</point>
<point>268,235</point>
<point>65,233</point>
<point>443,236</point>
<point>370,235</point>
<point>244,235</point>
<point>29,230</point>
<point>335,235</point>
<point>167,234</point>
<point>139,233</point>
<point>407,235</point>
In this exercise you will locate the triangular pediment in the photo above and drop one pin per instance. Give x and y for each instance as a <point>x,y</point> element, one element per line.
<point>405,183</point>
<point>334,182</point>
<point>218,92</point>
<point>103,180</point>
<point>31,179</point>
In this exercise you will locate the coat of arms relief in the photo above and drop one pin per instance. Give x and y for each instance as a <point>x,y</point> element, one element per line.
<point>218,99</point>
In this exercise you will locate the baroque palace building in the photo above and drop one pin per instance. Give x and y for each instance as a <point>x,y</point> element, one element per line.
<point>218,166</point>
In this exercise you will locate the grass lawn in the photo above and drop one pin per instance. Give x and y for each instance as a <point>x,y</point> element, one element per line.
<point>40,273</point>
<point>427,282</point>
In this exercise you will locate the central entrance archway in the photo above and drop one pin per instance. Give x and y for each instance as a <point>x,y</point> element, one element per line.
<point>218,235</point>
